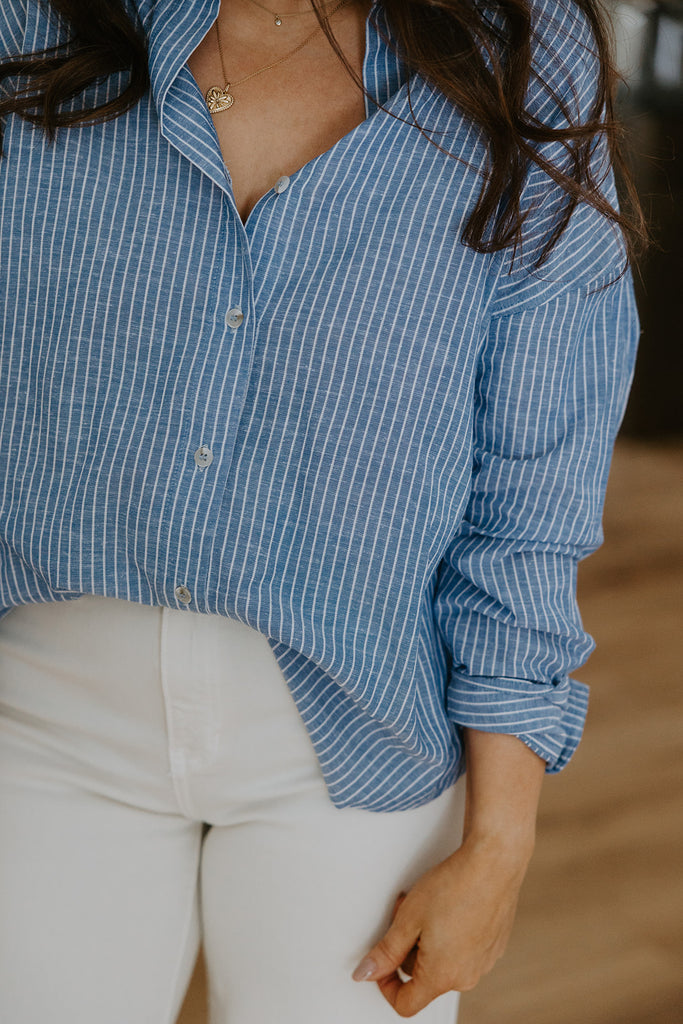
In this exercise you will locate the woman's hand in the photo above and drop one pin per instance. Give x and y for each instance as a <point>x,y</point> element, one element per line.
<point>452,925</point>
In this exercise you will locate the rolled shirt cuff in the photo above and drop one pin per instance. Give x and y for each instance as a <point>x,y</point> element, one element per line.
<point>549,717</point>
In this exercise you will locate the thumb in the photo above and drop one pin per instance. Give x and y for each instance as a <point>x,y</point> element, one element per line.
<point>391,950</point>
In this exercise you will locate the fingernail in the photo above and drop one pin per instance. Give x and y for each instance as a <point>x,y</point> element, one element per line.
<point>366,968</point>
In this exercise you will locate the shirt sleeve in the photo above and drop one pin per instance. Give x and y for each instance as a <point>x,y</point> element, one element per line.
<point>551,392</point>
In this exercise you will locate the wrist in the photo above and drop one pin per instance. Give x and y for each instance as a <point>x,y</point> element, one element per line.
<point>511,844</point>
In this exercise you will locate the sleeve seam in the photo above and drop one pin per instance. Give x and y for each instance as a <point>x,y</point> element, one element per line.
<point>605,281</point>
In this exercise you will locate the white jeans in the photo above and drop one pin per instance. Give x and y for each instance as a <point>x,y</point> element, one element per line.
<point>157,789</point>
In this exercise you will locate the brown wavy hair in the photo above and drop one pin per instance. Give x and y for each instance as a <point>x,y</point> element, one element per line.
<point>482,64</point>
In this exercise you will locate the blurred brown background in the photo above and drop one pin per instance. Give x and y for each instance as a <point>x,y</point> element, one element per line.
<point>599,932</point>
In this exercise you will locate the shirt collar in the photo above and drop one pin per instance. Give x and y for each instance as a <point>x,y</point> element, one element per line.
<point>174,28</point>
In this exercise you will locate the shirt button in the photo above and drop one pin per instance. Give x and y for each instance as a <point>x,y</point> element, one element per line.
<point>203,457</point>
<point>282,184</point>
<point>183,594</point>
<point>234,317</point>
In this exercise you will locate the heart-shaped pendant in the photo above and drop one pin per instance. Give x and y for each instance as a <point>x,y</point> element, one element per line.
<point>219,99</point>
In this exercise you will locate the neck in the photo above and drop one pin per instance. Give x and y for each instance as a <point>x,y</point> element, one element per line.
<point>250,28</point>
<point>286,7</point>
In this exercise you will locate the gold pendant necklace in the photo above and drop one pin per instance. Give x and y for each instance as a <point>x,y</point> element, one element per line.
<point>218,99</point>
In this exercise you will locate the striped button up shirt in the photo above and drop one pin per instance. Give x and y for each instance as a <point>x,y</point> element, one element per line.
<point>335,423</point>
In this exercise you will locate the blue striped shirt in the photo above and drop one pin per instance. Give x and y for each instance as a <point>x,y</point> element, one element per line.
<point>336,423</point>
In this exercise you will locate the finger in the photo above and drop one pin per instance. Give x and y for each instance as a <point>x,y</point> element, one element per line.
<point>411,996</point>
<point>389,953</point>
<point>406,968</point>
<point>399,900</point>
<point>408,965</point>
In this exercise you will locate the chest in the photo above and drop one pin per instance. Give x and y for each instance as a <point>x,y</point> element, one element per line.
<point>286,116</point>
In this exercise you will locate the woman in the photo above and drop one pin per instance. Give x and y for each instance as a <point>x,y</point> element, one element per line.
<point>317,333</point>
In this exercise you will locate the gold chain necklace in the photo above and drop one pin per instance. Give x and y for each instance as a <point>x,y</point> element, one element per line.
<point>218,99</point>
<point>277,18</point>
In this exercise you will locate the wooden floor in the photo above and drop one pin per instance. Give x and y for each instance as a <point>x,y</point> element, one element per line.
<point>599,932</point>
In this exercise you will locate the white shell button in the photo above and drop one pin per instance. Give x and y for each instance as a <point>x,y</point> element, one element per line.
<point>234,317</point>
<point>203,457</point>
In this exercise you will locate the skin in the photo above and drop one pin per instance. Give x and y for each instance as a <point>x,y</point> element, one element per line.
<point>279,122</point>
<point>455,922</point>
